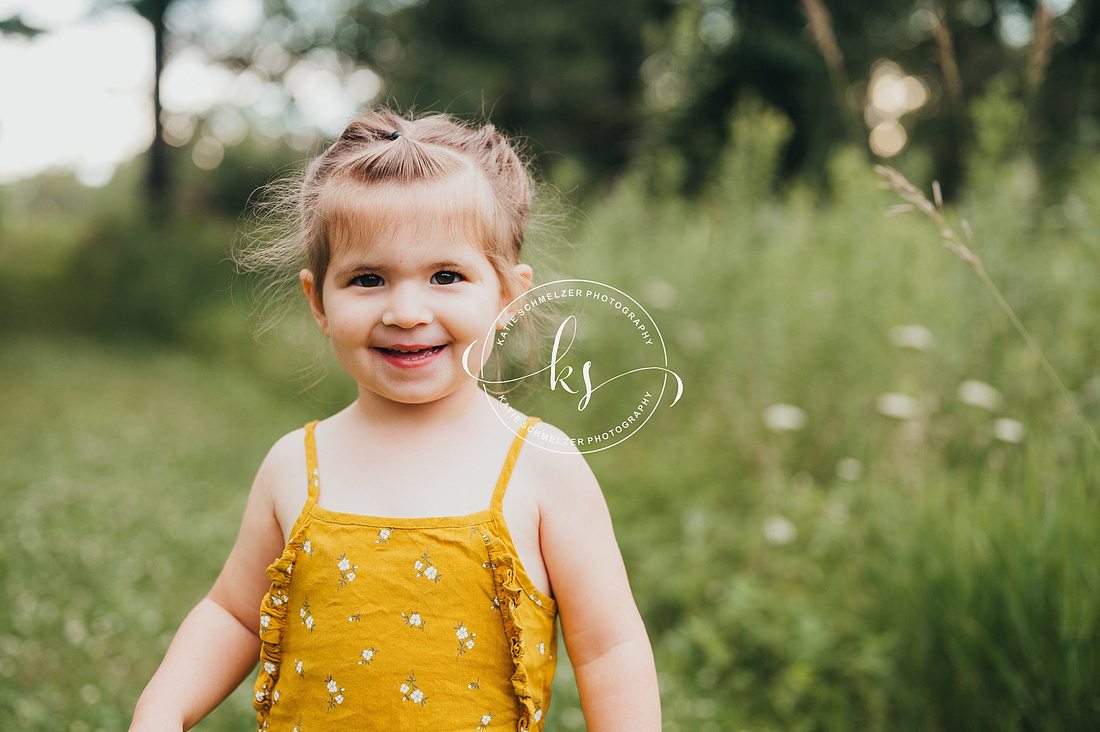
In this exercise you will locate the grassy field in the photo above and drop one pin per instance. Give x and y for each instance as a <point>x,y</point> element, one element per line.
<point>870,511</point>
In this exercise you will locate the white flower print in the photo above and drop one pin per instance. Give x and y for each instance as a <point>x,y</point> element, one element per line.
<point>367,656</point>
<point>424,568</point>
<point>298,666</point>
<point>542,648</point>
<point>538,715</point>
<point>347,570</point>
<point>269,667</point>
<point>307,548</point>
<point>465,639</point>
<point>275,697</point>
<point>383,536</point>
<point>335,693</point>
<point>413,620</point>
<point>485,719</point>
<point>265,621</point>
<point>306,615</point>
<point>411,692</point>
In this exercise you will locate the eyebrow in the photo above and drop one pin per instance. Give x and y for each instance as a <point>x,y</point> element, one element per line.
<point>366,266</point>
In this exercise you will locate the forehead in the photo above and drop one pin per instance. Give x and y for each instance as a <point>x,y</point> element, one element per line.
<point>455,215</point>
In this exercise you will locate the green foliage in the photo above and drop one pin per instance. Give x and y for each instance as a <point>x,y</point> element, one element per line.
<point>147,278</point>
<point>873,569</point>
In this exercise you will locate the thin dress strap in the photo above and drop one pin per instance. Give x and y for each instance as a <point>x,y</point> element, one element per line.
<point>313,475</point>
<point>497,506</point>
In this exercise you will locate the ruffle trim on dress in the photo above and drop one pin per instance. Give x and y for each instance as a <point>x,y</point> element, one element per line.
<point>273,613</point>
<point>510,594</point>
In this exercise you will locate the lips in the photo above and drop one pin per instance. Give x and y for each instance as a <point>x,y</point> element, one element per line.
<point>411,355</point>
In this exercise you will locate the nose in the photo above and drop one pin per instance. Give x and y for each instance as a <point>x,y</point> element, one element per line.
<point>407,306</point>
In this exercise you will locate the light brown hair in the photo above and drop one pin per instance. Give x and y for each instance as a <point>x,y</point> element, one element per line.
<point>369,178</point>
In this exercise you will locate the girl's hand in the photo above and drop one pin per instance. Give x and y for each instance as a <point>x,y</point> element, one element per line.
<point>603,632</point>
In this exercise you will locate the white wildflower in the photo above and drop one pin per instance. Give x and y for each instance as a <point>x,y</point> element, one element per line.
<point>837,512</point>
<point>417,695</point>
<point>661,294</point>
<point>779,530</point>
<point>431,572</point>
<point>462,633</point>
<point>916,337</point>
<point>332,686</point>
<point>979,394</point>
<point>351,576</point>
<point>419,565</point>
<point>849,469</point>
<point>404,688</point>
<point>1008,430</point>
<point>345,565</point>
<point>269,667</point>
<point>784,418</point>
<point>898,406</point>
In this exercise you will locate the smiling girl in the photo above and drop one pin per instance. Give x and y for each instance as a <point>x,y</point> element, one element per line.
<point>402,564</point>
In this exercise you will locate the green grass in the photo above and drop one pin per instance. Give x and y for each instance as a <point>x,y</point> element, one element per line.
<point>949,583</point>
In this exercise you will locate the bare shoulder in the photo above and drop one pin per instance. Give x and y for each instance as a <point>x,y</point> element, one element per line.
<point>557,467</point>
<point>282,478</point>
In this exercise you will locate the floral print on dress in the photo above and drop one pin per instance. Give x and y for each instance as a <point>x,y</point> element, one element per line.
<point>335,693</point>
<point>347,570</point>
<point>465,639</point>
<point>306,615</point>
<point>383,536</point>
<point>307,548</point>
<point>485,719</point>
<point>411,692</point>
<point>475,684</point>
<point>413,620</point>
<point>367,656</point>
<point>298,667</point>
<point>542,649</point>
<point>424,567</point>
<point>538,715</point>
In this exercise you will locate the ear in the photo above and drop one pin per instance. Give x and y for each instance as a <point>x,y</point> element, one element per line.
<point>519,283</point>
<point>313,294</point>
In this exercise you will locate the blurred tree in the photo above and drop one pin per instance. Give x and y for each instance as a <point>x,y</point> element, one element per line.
<point>159,175</point>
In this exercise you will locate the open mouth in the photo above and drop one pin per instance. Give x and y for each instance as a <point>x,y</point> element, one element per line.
<point>411,355</point>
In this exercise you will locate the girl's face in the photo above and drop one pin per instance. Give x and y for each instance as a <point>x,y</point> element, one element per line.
<point>402,309</point>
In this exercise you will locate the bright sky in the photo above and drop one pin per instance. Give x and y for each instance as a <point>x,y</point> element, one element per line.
<point>77,98</point>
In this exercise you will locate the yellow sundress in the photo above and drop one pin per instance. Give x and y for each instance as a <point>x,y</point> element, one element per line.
<point>403,624</point>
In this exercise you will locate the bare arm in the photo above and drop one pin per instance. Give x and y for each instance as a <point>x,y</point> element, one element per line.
<point>603,632</point>
<point>218,643</point>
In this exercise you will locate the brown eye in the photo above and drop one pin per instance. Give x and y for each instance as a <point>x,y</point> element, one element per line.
<point>367,280</point>
<point>446,278</point>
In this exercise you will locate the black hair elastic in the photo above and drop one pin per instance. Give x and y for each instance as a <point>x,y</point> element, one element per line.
<point>394,135</point>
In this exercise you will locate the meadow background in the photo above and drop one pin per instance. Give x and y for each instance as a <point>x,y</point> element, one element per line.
<point>872,508</point>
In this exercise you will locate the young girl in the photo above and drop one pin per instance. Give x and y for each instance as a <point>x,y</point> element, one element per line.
<point>440,616</point>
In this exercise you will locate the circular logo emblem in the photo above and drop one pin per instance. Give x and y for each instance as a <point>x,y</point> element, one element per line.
<point>584,356</point>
